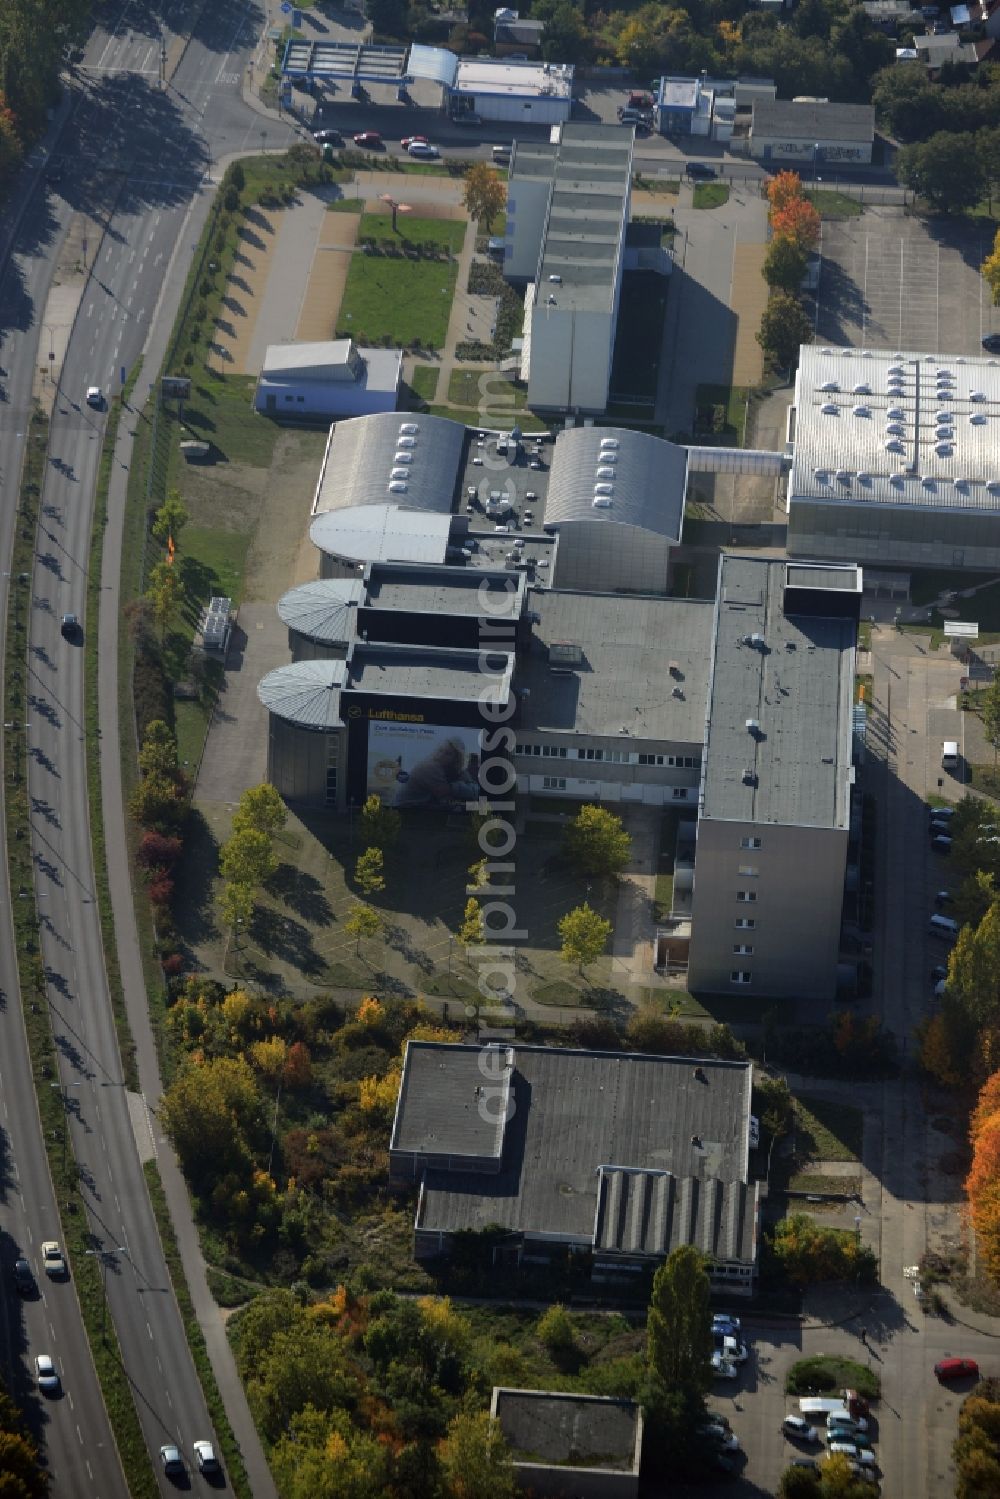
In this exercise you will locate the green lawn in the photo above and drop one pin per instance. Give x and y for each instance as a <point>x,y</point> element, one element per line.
<point>346,205</point>
<point>424,380</point>
<point>721,413</point>
<point>526,420</point>
<point>406,301</point>
<point>636,366</point>
<point>711,194</point>
<point>830,204</point>
<point>464,388</point>
<point>826,1131</point>
<point>825,1372</point>
<point>418,231</point>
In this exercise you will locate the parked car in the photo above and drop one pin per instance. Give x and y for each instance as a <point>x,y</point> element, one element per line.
<point>413,140</point>
<point>328,137</point>
<point>24,1281</point>
<point>716,1432</point>
<point>726,1323</point>
<point>754,1133</point>
<point>423,149</point>
<point>52,1256</point>
<point>945,813</point>
<point>804,1462</point>
<point>731,1347</point>
<point>370,139</point>
<point>724,1368</point>
<point>46,1376</point>
<point>991,342</point>
<point>837,1421</point>
<point>956,1368</point>
<point>943,898</point>
<point>799,1428</point>
<point>862,1455</point>
<point>941,843</point>
<point>700,169</point>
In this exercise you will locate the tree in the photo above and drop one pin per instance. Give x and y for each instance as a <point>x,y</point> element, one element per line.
<point>368,872</point>
<point>800,1483</point>
<point>809,1253</point>
<point>158,802</point>
<point>380,825</point>
<point>974,970</point>
<point>584,935</point>
<point>785,265</point>
<point>946,170</point>
<point>783,188</point>
<point>213,1113</point>
<point>471,931</point>
<point>907,102</point>
<point>387,17</point>
<point>798,221</point>
<point>982,1185</point>
<point>484,194</point>
<point>237,906</point>
<point>261,809</point>
<point>554,1330</point>
<point>21,1477</point>
<point>475,1459</point>
<point>362,921</point>
<point>158,751</point>
<point>989,712</point>
<point>784,326</point>
<point>991,270</point>
<point>679,1323</point>
<point>247,858</point>
<point>171,518</point>
<point>565,38</point>
<point>164,591</point>
<point>596,842</point>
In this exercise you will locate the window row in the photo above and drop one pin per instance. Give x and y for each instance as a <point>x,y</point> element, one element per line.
<point>607,756</point>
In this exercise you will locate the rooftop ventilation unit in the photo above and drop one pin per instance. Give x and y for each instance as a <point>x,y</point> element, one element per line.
<point>961,483</point>
<point>896,429</point>
<point>753,727</point>
<point>608,489</point>
<point>677,692</point>
<point>977,395</point>
<point>862,411</point>
<point>557,279</point>
<point>604,473</point>
<point>862,389</point>
<point>830,409</point>
<point>757,641</point>
<point>928,482</point>
<point>895,413</point>
<point>864,478</point>
<point>406,442</point>
<point>409,429</point>
<point>403,458</point>
<point>977,419</point>
<point>829,385</point>
<point>894,445</point>
<point>601,502</point>
<point>994,486</point>
<point>609,442</point>
<point>396,487</point>
<point>822,475</point>
<point>895,369</point>
<point>399,473</point>
<point>749,776</point>
<point>843,476</point>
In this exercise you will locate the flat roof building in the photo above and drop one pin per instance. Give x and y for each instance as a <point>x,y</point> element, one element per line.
<point>564,1443</point>
<point>519,93</point>
<point>776,780</point>
<point>317,382</point>
<point>895,458</point>
<point>624,1156</point>
<point>568,207</point>
<point>811,131</point>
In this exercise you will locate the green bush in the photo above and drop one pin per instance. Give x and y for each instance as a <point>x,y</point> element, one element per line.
<point>824,1372</point>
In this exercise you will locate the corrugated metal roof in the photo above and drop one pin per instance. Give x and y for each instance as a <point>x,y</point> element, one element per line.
<point>306,693</point>
<point>325,611</point>
<point>361,456</point>
<point>382,533</point>
<point>570,1113</point>
<point>289,359</point>
<point>898,429</point>
<point>436,64</point>
<point>650,1213</point>
<point>644,478</point>
<point>785,120</point>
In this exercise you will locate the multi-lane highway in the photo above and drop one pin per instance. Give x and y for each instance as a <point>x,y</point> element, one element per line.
<point>129,166</point>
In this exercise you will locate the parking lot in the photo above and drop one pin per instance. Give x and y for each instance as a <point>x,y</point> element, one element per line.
<point>893,281</point>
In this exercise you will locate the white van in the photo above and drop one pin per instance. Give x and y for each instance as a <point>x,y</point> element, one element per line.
<point>501,153</point>
<point>949,754</point>
<point>943,926</point>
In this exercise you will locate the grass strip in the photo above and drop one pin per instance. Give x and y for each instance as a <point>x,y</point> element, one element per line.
<point>196,1340</point>
<point>75,1234</point>
<point>91,717</point>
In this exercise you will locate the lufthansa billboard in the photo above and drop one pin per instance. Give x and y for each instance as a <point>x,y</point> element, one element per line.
<point>421,764</point>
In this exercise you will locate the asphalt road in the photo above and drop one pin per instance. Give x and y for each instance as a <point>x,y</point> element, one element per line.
<point>129,167</point>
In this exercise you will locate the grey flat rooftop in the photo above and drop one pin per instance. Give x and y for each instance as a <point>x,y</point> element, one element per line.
<point>439,1108</point>
<point>568,1430</point>
<point>420,671</point>
<point>439,590</point>
<point>899,429</point>
<point>506,79</point>
<point>624,683</point>
<point>572,1112</point>
<point>784,119</point>
<point>797,687</point>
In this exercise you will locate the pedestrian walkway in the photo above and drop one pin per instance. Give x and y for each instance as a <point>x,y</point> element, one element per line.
<point>749,299</point>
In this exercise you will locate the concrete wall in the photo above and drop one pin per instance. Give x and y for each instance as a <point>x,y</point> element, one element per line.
<point>894,536</point>
<point>320,401</point>
<point>527,206</point>
<point>575,1483</point>
<point>570,356</point>
<point>298,761</point>
<point>799,888</point>
<point>831,152</point>
<point>541,110</point>
<point>607,557</point>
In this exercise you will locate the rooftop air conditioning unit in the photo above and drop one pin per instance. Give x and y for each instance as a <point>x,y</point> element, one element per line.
<point>409,429</point>
<point>753,727</point>
<point>749,776</point>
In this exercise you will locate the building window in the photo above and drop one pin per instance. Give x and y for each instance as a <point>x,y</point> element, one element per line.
<point>553,783</point>
<point>749,870</point>
<point>740,976</point>
<point>749,843</point>
<point>557,751</point>
<point>742,949</point>
<point>746,896</point>
<point>745,923</point>
<point>680,793</point>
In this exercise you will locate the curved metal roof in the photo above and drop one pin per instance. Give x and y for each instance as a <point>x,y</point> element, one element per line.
<point>382,533</point>
<point>637,480</point>
<point>360,459</point>
<point>324,610</point>
<point>306,693</point>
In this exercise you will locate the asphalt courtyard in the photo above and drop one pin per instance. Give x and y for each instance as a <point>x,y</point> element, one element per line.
<point>893,281</point>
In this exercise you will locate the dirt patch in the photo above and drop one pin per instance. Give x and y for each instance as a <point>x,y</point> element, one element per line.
<point>281,523</point>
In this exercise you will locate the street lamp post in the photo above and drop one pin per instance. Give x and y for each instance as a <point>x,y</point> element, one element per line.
<point>103,1255</point>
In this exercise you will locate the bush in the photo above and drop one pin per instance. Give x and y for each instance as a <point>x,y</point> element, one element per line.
<point>231,199</point>
<point>824,1372</point>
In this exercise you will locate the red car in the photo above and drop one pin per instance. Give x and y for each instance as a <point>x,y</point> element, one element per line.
<point>956,1368</point>
<point>414,140</point>
<point>369,138</point>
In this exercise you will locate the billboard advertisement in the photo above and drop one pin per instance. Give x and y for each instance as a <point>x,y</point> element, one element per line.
<point>422,765</point>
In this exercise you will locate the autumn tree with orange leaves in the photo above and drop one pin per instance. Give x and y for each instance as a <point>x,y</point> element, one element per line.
<point>982,1185</point>
<point>795,226</point>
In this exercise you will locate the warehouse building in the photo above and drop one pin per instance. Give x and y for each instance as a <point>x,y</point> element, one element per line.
<point>622,1157</point>
<point>895,459</point>
<point>567,212</point>
<point>512,92</point>
<point>811,133</point>
<point>322,382</point>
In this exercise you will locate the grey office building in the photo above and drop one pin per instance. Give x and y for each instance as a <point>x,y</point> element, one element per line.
<point>776,780</point>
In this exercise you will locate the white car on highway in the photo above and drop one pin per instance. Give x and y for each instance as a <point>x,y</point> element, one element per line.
<point>52,1260</point>
<point>95,397</point>
<point>46,1376</point>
